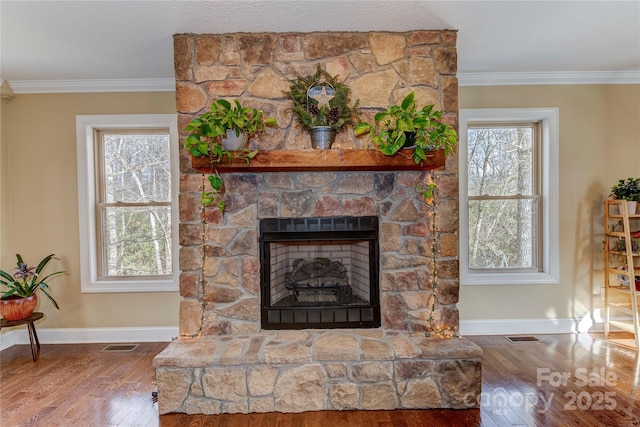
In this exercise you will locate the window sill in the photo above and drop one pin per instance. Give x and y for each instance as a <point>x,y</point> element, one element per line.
<point>119,286</point>
<point>509,279</point>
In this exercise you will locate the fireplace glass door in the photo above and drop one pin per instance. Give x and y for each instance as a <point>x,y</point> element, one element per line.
<point>319,273</point>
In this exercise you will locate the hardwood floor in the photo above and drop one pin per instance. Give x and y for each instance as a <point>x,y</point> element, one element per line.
<point>562,380</point>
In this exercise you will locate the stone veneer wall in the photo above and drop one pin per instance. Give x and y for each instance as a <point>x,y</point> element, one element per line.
<point>380,68</point>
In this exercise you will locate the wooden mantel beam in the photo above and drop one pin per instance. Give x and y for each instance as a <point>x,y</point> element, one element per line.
<point>324,160</point>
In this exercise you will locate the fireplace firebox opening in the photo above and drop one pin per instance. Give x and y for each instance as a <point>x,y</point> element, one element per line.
<point>319,273</point>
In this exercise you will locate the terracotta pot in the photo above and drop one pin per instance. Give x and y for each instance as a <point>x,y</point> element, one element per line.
<point>17,308</point>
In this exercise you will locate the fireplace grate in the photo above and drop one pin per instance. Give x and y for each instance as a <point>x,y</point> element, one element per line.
<point>323,317</point>
<point>338,223</point>
<point>284,229</point>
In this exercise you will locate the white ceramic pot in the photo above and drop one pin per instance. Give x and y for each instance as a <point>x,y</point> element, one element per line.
<point>631,207</point>
<point>232,142</point>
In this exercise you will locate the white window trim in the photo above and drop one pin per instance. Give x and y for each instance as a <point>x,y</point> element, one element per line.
<point>85,131</point>
<point>550,273</point>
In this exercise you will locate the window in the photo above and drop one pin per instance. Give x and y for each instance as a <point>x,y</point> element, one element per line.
<point>127,192</point>
<point>508,196</point>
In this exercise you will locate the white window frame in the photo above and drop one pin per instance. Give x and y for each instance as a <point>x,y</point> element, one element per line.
<point>86,127</point>
<point>549,191</point>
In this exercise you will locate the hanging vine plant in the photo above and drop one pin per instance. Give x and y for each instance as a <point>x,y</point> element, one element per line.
<point>206,135</point>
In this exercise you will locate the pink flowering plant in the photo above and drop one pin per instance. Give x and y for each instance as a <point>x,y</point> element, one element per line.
<point>28,279</point>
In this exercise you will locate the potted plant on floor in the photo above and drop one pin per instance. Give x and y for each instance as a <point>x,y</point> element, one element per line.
<point>628,190</point>
<point>210,133</point>
<point>322,105</point>
<point>19,301</point>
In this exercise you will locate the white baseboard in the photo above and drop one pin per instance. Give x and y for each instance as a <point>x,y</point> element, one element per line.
<point>166,334</point>
<point>530,326</point>
<point>90,335</point>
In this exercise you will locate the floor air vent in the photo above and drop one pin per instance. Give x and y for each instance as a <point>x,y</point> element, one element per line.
<point>120,347</point>
<point>523,339</point>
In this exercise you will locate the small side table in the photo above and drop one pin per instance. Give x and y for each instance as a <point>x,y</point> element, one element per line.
<point>33,337</point>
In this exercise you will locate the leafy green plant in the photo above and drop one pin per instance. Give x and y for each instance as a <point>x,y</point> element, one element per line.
<point>426,190</point>
<point>398,123</point>
<point>223,116</point>
<point>628,189</point>
<point>27,280</point>
<point>405,125</point>
<point>621,245</point>
<point>310,113</point>
<point>205,139</point>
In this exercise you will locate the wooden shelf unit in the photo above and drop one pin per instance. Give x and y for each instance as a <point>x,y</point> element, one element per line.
<point>323,160</point>
<point>618,298</point>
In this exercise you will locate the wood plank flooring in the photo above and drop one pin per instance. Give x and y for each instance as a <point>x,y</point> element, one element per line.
<point>562,380</point>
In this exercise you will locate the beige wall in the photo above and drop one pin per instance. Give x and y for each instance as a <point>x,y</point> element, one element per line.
<point>599,143</point>
<point>42,202</point>
<point>4,178</point>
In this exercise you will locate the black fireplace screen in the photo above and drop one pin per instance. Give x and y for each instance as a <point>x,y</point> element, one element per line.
<point>319,273</point>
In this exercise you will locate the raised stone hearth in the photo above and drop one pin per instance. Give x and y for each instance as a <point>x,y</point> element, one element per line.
<point>312,370</point>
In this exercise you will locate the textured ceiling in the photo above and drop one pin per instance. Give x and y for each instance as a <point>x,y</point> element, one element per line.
<point>80,40</point>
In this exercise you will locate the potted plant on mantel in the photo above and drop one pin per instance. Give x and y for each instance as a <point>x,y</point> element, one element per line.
<point>405,126</point>
<point>321,105</point>
<point>628,190</point>
<point>19,301</point>
<point>210,135</point>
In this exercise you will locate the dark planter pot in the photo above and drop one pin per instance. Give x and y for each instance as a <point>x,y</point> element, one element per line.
<point>409,139</point>
<point>17,308</point>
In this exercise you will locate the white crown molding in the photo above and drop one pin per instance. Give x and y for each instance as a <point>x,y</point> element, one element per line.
<point>464,79</point>
<point>548,78</point>
<point>90,335</point>
<point>106,85</point>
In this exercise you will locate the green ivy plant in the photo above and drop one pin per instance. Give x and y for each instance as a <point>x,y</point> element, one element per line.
<point>406,126</point>
<point>205,139</point>
<point>398,123</point>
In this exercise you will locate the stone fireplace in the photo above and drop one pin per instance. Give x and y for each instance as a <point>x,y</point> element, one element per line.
<point>246,348</point>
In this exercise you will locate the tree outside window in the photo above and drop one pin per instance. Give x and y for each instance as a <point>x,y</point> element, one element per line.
<point>503,196</point>
<point>135,210</point>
